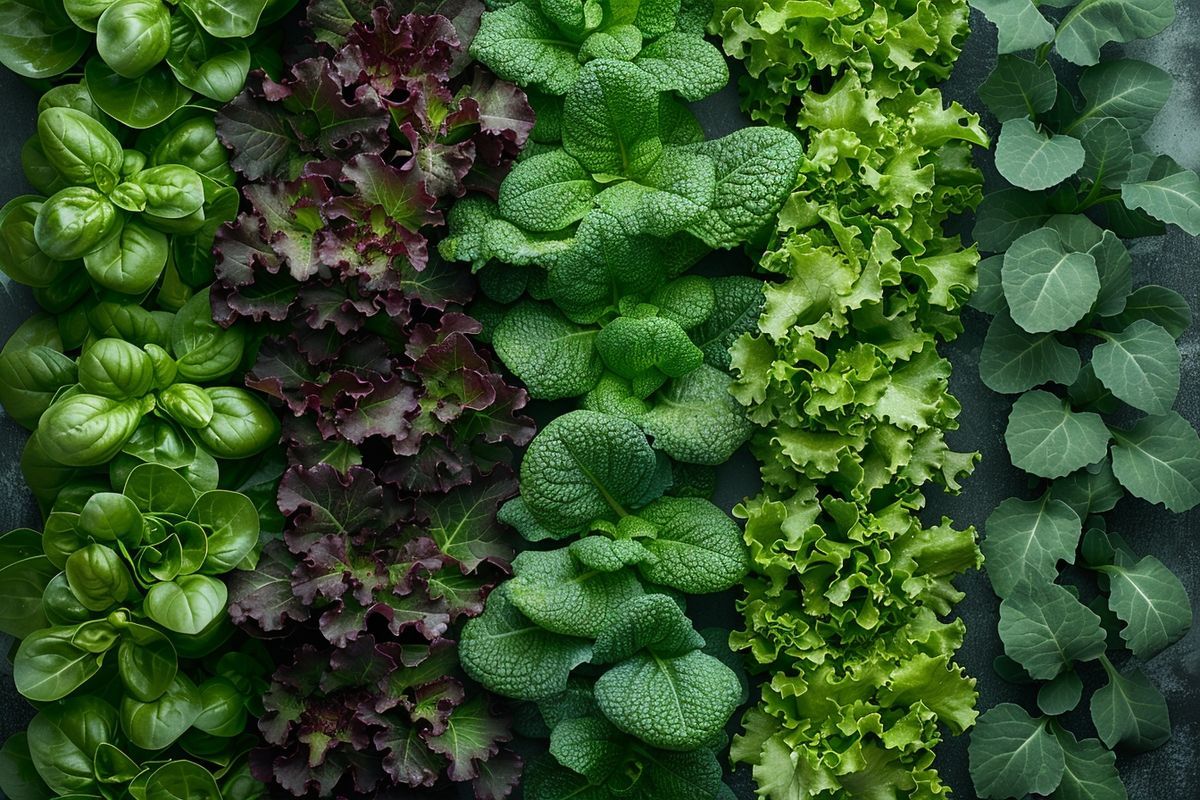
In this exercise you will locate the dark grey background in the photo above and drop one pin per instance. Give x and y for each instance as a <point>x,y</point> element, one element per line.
<point>1172,771</point>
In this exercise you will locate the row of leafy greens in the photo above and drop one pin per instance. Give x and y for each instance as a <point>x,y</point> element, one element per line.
<point>397,425</point>
<point>154,470</point>
<point>1096,364</point>
<point>583,260</point>
<point>846,604</point>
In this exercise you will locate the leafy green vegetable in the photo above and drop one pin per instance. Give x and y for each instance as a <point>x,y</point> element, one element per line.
<point>1062,290</point>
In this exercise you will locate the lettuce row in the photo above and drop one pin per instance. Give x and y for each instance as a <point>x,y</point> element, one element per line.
<point>154,475</point>
<point>788,48</point>
<point>396,423</point>
<point>848,593</point>
<point>1096,365</point>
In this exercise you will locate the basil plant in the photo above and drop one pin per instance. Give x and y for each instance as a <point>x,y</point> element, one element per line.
<point>150,56</point>
<point>109,209</point>
<point>126,400</point>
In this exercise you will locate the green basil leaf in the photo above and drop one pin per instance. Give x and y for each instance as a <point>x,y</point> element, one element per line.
<point>141,102</point>
<point>115,368</point>
<point>30,377</point>
<point>159,441</point>
<point>132,36</point>
<point>19,778</point>
<point>98,577</point>
<point>187,604</point>
<point>38,40</point>
<point>49,667</point>
<point>20,256</point>
<point>157,725</point>
<point>183,780</point>
<point>188,404</point>
<point>194,143</point>
<point>64,738</point>
<point>87,430</point>
<point>157,489</point>
<point>76,143</point>
<point>130,262</point>
<point>24,574</point>
<point>216,68</point>
<point>146,662</point>
<point>111,517</point>
<point>86,13</point>
<point>242,425</point>
<point>204,351</point>
<point>74,222</point>
<point>231,522</point>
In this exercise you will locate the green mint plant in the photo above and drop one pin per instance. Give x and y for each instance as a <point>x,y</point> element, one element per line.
<point>598,231</point>
<point>544,46</point>
<point>594,632</point>
<point>1096,366</point>
<point>146,59</point>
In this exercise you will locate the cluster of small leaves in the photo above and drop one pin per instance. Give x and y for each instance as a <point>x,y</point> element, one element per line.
<point>397,425</point>
<point>582,258</point>
<point>1097,367</point>
<point>543,46</point>
<point>630,696</point>
<point>155,477</point>
<point>145,59</point>
<point>787,48</point>
<point>847,591</point>
<point>384,580</point>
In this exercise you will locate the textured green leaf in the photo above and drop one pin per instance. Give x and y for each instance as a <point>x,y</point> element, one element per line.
<point>1090,773</point>
<point>610,121</point>
<point>547,192</point>
<point>1130,711</point>
<point>1046,438</point>
<point>1045,629</point>
<point>1026,539</point>
<point>1012,755</point>
<point>586,466</point>
<point>1047,286</point>
<point>698,548</point>
<point>696,420</point>
<point>1014,360</point>
<point>553,590</point>
<point>509,654</point>
<point>1158,459</point>
<point>756,168</point>
<point>1018,87</point>
<point>1152,603</point>
<point>1091,24</point>
<point>553,356</point>
<point>652,622</point>
<point>684,63</point>
<point>1140,366</point>
<point>521,45</point>
<point>1032,159</point>
<point>1174,199</point>
<point>676,703</point>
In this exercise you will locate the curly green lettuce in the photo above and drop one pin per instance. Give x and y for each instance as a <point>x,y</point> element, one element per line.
<point>845,602</point>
